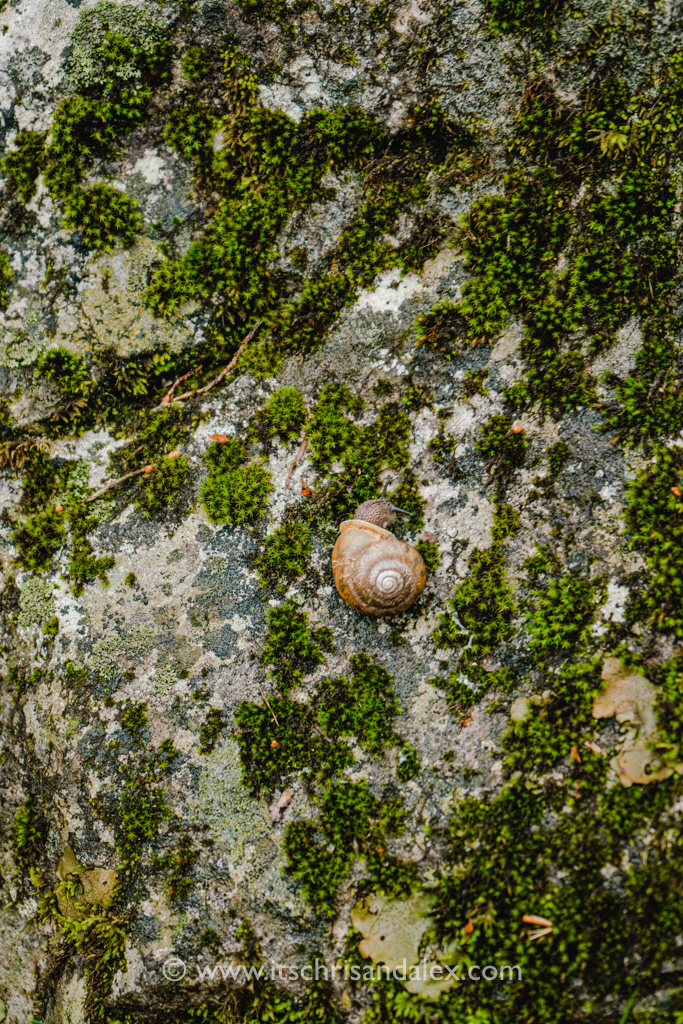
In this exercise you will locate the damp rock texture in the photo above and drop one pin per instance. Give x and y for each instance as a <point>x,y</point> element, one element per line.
<point>261,260</point>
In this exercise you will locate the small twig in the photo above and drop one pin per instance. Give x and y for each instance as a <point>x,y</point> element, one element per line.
<point>231,366</point>
<point>169,395</point>
<point>119,480</point>
<point>295,461</point>
<point>268,705</point>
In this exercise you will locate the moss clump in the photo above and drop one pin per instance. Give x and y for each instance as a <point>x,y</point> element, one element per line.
<point>351,821</point>
<point>115,47</point>
<point>28,833</point>
<point>212,727</point>
<point>134,718</point>
<point>331,432</point>
<point>272,751</point>
<point>408,763</point>
<point>234,492</point>
<point>196,63</point>
<point>291,647</point>
<point>284,414</point>
<point>284,556</point>
<point>364,706</point>
<point>38,539</point>
<point>558,455</point>
<point>103,215</point>
<point>431,556</point>
<point>513,16</point>
<point>653,516</point>
<point>164,491</point>
<point>6,279</point>
<point>481,607</point>
<point>130,579</point>
<point>23,163</point>
<point>561,615</point>
<point>84,564</point>
<point>501,446</point>
<point>120,54</point>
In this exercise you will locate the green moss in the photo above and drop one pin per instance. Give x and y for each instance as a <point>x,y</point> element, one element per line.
<point>506,522</point>
<point>23,164</point>
<point>175,866</point>
<point>38,539</point>
<point>558,455</point>
<point>364,707</point>
<point>291,647</point>
<point>330,432</point>
<point>408,763</point>
<point>102,215</point>
<point>165,489</point>
<point>351,821</point>
<point>130,579</point>
<point>431,556</point>
<point>189,129</point>
<point>503,449</point>
<point>543,561</point>
<point>561,615</point>
<point>6,279</point>
<point>196,63</point>
<point>28,833</point>
<point>84,565</point>
<point>272,750</point>
<point>653,517</point>
<point>284,414</point>
<point>514,16</point>
<point>119,55</point>
<point>213,725</point>
<point>51,627</point>
<point>285,556</point>
<point>134,718</point>
<point>234,492</point>
<point>474,383</point>
<point>481,607</point>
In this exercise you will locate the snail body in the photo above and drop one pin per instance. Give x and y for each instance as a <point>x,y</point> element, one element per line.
<point>374,571</point>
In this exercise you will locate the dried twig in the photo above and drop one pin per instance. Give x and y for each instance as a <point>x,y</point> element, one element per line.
<point>295,461</point>
<point>169,395</point>
<point>268,705</point>
<point>119,480</point>
<point>231,366</point>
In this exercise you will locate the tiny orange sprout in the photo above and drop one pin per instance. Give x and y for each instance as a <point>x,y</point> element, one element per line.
<point>59,508</point>
<point>274,744</point>
<point>218,438</point>
<point>518,429</point>
<point>677,491</point>
<point>148,469</point>
<point>173,455</point>
<point>469,927</point>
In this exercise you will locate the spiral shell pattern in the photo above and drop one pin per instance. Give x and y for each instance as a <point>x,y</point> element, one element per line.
<point>375,572</point>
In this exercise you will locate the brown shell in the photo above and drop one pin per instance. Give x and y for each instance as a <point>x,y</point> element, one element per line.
<point>375,572</point>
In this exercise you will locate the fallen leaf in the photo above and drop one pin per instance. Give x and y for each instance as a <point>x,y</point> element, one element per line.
<point>629,697</point>
<point>280,804</point>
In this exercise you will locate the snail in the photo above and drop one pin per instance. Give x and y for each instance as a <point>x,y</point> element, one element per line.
<point>374,571</point>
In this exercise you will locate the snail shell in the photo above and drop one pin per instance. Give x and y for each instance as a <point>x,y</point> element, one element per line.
<point>374,571</point>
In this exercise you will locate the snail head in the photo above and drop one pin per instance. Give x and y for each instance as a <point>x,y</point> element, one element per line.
<point>379,512</point>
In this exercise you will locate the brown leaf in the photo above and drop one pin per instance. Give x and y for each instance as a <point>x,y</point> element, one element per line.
<point>280,804</point>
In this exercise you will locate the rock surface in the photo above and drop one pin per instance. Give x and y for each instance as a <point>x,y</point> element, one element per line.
<point>449,233</point>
